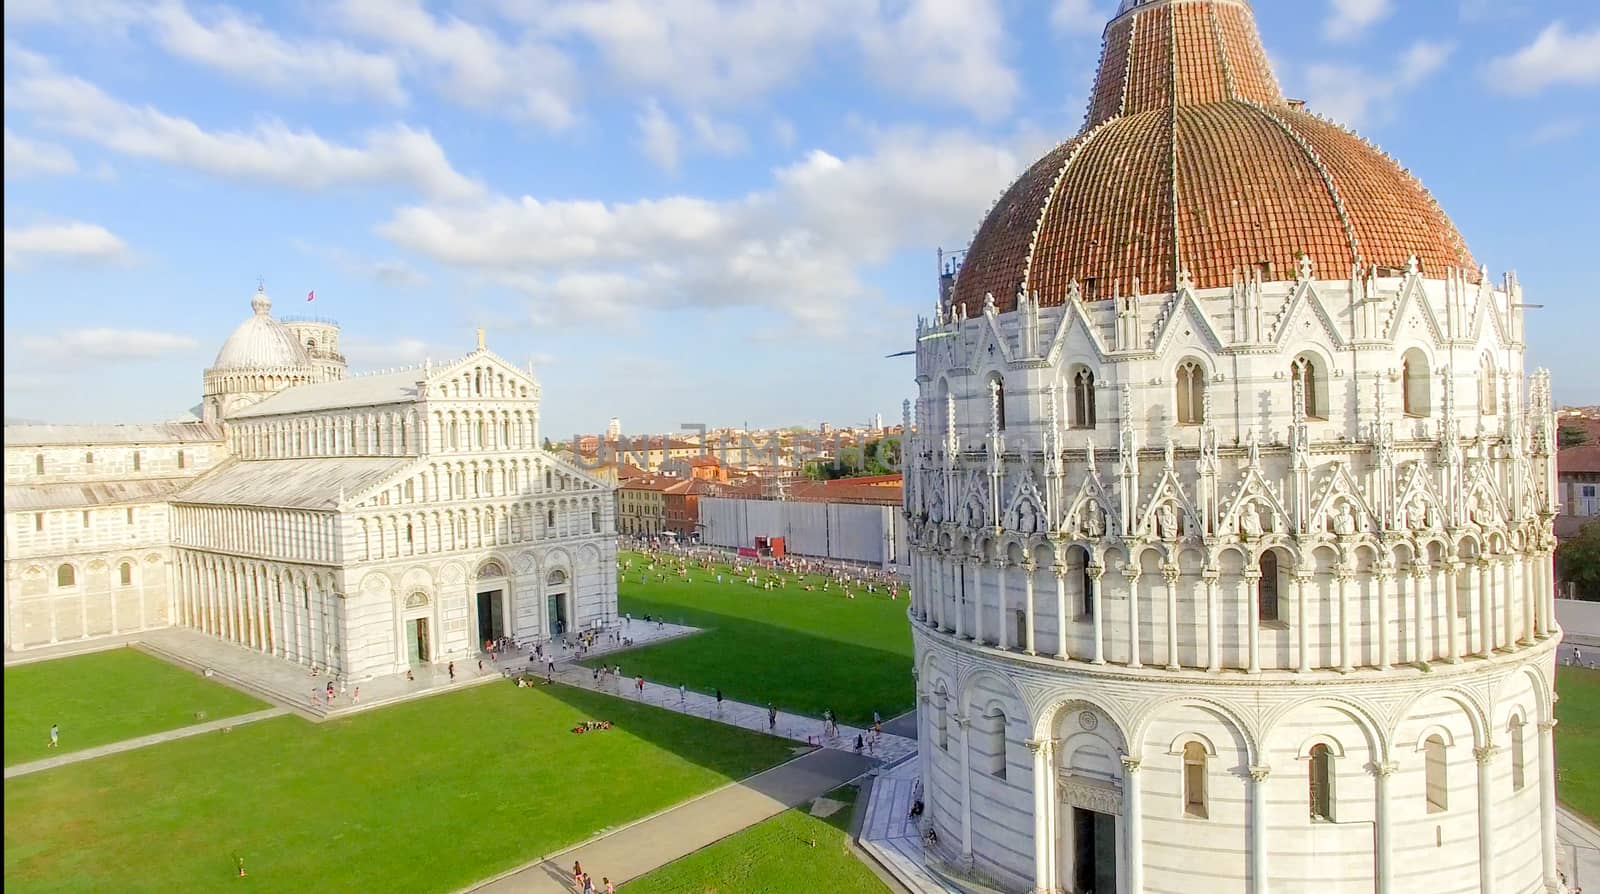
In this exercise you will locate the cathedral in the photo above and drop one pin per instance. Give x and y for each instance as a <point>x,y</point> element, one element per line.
<point>1231,506</point>
<point>362,524</point>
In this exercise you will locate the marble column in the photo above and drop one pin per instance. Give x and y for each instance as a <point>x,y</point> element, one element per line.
<point>1247,596</point>
<point>977,604</point>
<point>1061,610</point>
<point>936,590</point>
<point>1213,647</point>
<point>1485,609</point>
<point>1419,619</point>
<point>1133,822</point>
<point>1169,575</point>
<point>1041,814</point>
<point>1258,829</point>
<point>1097,613</point>
<point>1131,574</point>
<point>1303,622</point>
<point>1485,758</point>
<point>1547,802</point>
<point>1381,581</point>
<point>1452,595</point>
<point>1529,602</point>
<point>962,727</point>
<point>959,566</point>
<point>1346,653</point>
<point>1508,604</point>
<point>1028,569</point>
<point>1384,855</point>
<point>1006,630</point>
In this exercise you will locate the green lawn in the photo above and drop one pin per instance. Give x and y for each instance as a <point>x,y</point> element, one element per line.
<point>803,651</point>
<point>428,795</point>
<point>106,697</point>
<point>1578,740</point>
<point>792,853</point>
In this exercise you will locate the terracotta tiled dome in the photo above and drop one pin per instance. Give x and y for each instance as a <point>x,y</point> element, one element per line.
<point>1192,159</point>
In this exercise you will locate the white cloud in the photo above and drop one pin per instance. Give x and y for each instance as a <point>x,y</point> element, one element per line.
<point>24,157</point>
<point>271,152</point>
<point>718,137</point>
<point>1556,131</point>
<point>1079,16</point>
<point>783,131</point>
<point>366,353</point>
<point>471,64</point>
<point>105,344</point>
<point>1349,18</point>
<point>658,136</point>
<point>948,50</point>
<point>799,248</point>
<point>253,54</point>
<point>1555,57</point>
<point>1352,96</point>
<point>77,240</point>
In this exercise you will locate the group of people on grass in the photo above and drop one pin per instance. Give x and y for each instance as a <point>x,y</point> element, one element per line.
<point>768,574</point>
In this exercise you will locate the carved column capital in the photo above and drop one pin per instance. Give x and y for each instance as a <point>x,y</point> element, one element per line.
<point>1170,573</point>
<point>1259,773</point>
<point>1382,769</point>
<point>961,720</point>
<point>1130,764</point>
<point>1211,575</point>
<point>1546,726</point>
<point>1486,753</point>
<point>1132,573</point>
<point>1037,746</point>
<point>1095,570</point>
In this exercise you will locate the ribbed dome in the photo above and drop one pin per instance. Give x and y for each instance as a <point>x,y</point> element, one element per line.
<point>1192,159</point>
<point>261,342</point>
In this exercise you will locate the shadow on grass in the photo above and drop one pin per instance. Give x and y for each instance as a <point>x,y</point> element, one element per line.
<point>759,663</point>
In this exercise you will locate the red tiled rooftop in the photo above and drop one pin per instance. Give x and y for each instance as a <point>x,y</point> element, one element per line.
<point>1578,460</point>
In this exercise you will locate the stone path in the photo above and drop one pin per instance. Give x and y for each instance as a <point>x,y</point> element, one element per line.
<point>654,841</point>
<point>892,836</point>
<point>1580,841</point>
<point>183,732</point>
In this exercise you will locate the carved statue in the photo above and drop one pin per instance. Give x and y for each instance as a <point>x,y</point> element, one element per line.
<point>936,509</point>
<point>1250,521</point>
<point>1417,514</point>
<point>1255,450</point>
<point>1167,522</point>
<point>1344,523</point>
<point>1027,519</point>
<point>1478,511</point>
<point>1171,452</point>
<point>1094,521</point>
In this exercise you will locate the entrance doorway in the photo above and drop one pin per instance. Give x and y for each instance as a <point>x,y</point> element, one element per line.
<point>557,614</point>
<point>1094,852</point>
<point>491,615</point>
<point>417,641</point>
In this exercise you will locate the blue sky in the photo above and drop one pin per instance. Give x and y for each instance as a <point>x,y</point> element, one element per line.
<point>678,210</point>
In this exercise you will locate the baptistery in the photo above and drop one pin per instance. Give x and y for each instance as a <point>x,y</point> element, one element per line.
<point>1231,506</point>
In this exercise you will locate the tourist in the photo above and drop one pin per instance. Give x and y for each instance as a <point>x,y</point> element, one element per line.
<point>719,700</point>
<point>480,665</point>
<point>610,888</point>
<point>409,677</point>
<point>452,671</point>
<point>860,743</point>
<point>330,692</point>
<point>344,684</point>
<point>357,696</point>
<point>639,684</point>
<point>314,693</point>
<point>55,736</point>
<point>772,717</point>
<point>876,719</point>
<point>588,884</point>
<point>683,697</point>
<point>1577,656</point>
<point>577,874</point>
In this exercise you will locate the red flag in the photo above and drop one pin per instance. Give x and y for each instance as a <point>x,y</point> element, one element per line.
<point>311,296</point>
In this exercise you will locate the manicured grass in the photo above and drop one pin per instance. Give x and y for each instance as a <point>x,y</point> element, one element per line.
<point>1578,740</point>
<point>805,652</point>
<point>423,796</point>
<point>792,853</point>
<point>106,697</point>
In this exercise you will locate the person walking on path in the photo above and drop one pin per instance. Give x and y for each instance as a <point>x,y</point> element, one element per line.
<point>452,671</point>
<point>610,888</point>
<point>719,700</point>
<point>55,736</point>
<point>860,743</point>
<point>577,874</point>
<point>683,697</point>
<point>639,685</point>
<point>357,697</point>
<point>772,717</point>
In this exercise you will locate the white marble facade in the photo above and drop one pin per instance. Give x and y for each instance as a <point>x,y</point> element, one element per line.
<point>361,524</point>
<point>1257,578</point>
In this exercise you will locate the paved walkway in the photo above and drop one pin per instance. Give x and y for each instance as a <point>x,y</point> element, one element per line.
<point>890,834</point>
<point>655,841</point>
<point>182,732</point>
<point>1580,844</point>
<point>799,727</point>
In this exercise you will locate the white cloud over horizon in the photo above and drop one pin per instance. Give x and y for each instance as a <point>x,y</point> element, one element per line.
<point>106,344</point>
<point>1348,19</point>
<point>1557,57</point>
<point>1352,96</point>
<point>75,240</point>
<point>25,157</point>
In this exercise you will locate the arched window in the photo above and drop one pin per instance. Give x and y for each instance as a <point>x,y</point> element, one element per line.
<point>477,382</point>
<point>594,521</point>
<point>941,723</point>
<point>1309,387</point>
<point>38,464</point>
<point>1194,779</point>
<point>1267,587</point>
<point>136,460</point>
<point>1083,399</point>
<point>1088,594</point>
<point>409,541</point>
<point>1515,734</point>
<point>550,520</point>
<point>994,721</point>
<point>1488,388</point>
<point>547,480</point>
<point>88,458</point>
<point>182,462</point>
<point>125,574</point>
<point>66,576</point>
<point>455,435</point>
<point>1321,783</point>
<point>997,395</point>
<point>1191,393</point>
<point>1416,381</point>
<point>1438,776</point>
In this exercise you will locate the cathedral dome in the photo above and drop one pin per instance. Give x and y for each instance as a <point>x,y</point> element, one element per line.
<point>261,342</point>
<point>1191,160</point>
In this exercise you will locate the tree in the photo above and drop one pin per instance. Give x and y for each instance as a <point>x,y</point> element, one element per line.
<point>1571,435</point>
<point>1578,561</point>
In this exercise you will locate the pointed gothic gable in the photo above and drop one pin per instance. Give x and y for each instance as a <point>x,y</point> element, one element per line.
<point>1184,309</point>
<point>1413,314</point>
<point>1341,486</point>
<point>1074,319</point>
<point>975,503</point>
<point>1092,491</point>
<point>1026,503</point>
<point>1303,313</point>
<point>992,348</point>
<point>1483,494</point>
<point>487,360</point>
<point>1170,490</point>
<point>1417,484</point>
<point>1486,314</point>
<point>1255,488</point>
